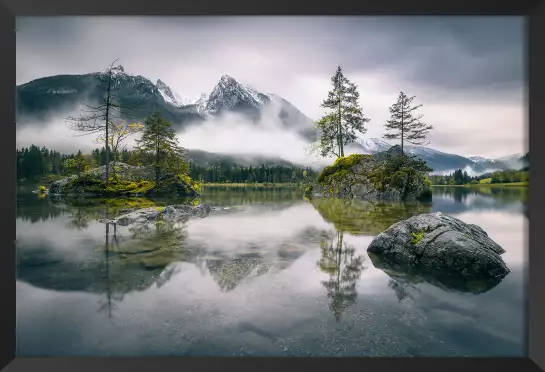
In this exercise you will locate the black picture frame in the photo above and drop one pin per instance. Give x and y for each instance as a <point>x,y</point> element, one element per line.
<point>535,12</point>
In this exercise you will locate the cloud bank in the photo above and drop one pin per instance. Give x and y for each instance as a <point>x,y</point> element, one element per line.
<point>467,71</point>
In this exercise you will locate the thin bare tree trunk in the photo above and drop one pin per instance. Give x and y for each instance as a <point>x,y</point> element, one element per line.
<point>107,126</point>
<point>402,130</point>
<point>341,147</point>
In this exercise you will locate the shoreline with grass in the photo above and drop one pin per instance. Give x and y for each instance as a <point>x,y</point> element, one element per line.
<point>484,185</point>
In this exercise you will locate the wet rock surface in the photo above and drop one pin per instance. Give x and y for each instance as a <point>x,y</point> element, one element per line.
<point>439,242</point>
<point>144,215</point>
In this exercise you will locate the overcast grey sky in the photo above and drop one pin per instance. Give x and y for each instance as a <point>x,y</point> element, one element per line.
<point>469,72</point>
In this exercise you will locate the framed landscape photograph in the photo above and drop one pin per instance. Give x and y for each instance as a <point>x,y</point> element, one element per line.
<point>284,190</point>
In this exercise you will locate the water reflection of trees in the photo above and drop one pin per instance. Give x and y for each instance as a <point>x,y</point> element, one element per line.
<point>125,263</point>
<point>79,219</point>
<point>116,263</point>
<point>35,209</point>
<point>344,269</point>
<point>139,255</point>
<point>503,194</point>
<point>229,196</point>
<point>360,217</point>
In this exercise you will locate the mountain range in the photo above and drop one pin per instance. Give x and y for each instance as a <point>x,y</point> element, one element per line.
<point>38,99</point>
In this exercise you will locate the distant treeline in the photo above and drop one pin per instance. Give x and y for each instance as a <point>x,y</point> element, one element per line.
<point>460,177</point>
<point>35,164</point>
<point>232,173</point>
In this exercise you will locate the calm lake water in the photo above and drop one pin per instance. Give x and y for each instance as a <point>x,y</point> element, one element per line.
<point>267,274</point>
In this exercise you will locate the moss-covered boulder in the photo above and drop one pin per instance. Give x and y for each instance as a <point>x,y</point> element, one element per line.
<point>386,176</point>
<point>126,180</point>
<point>174,185</point>
<point>436,241</point>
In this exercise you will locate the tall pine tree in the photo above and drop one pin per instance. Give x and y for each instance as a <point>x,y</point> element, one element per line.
<point>159,146</point>
<point>405,124</point>
<point>345,118</point>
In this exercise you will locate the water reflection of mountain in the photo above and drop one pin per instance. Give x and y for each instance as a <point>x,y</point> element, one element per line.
<point>228,271</point>
<point>461,199</point>
<point>136,257</point>
<point>344,269</point>
<point>360,217</point>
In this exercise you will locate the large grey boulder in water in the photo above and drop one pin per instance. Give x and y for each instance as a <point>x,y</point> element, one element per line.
<point>438,242</point>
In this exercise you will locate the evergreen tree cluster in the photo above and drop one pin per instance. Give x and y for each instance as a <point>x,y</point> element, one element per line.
<point>224,172</point>
<point>345,119</point>
<point>459,177</point>
<point>35,164</point>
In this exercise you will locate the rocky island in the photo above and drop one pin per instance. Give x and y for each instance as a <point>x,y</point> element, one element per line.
<point>385,176</point>
<point>128,180</point>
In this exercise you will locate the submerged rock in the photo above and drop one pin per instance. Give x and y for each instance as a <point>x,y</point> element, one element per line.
<point>141,215</point>
<point>435,241</point>
<point>408,276</point>
<point>153,213</point>
<point>181,210</point>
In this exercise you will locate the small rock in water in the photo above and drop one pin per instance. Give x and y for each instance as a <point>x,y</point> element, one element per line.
<point>441,242</point>
<point>170,212</point>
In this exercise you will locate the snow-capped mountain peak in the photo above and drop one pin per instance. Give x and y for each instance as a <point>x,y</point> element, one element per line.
<point>373,145</point>
<point>201,100</point>
<point>512,157</point>
<point>227,80</point>
<point>229,92</point>
<point>115,71</point>
<point>168,95</point>
<point>478,159</point>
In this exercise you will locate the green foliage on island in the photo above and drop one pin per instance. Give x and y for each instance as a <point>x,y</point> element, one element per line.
<point>383,171</point>
<point>308,192</point>
<point>116,186</point>
<point>400,171</point>
<point>341,168</point>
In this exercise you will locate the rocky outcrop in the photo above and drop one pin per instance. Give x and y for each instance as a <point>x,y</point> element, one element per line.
<point>127,180</point>
<point>171,184</point>
<point>441,243</point>
<point>385,176</point>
